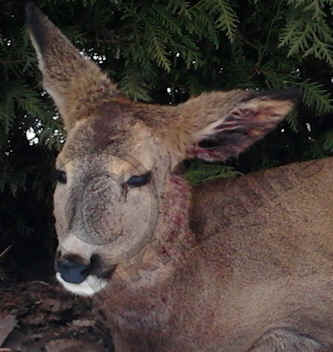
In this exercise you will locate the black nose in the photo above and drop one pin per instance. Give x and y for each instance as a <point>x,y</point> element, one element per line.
<point>71,271</point>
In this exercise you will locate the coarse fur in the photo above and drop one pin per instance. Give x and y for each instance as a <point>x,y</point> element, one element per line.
<point>233,265</point>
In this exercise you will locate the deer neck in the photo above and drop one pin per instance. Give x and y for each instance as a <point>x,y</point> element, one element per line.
<point>172,241</point>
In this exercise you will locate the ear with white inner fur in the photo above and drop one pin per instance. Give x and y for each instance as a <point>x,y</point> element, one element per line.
<point>222,125</point>
<point>75,83</point>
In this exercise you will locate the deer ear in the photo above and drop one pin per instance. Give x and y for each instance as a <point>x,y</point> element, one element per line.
<point>222,125</point>
<point>75,83</point>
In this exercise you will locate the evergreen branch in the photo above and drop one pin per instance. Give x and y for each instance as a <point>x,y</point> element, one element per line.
<point>328,141</point>
<point>292,119</point>
<point>164,19</point>
<point>297,3</point>
<point>132,85</point>
<point>316,97</point>
<point>179,7</point>
<point>308,34</point>
<point>315,8</point>
<point>227,19</point>
<point>202,25</point>
<point>200,171</point>
<point>321,51</point>
<point>159,54</point>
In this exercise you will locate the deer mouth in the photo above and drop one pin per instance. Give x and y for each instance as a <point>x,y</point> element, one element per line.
<point>107,274</point>
<point>97,268</point>
<point>89,287</point>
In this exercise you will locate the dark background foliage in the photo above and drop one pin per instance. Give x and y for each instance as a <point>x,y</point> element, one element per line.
<point>159,52</point>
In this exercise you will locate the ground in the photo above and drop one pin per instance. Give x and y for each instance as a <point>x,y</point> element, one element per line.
<point>38,316</point>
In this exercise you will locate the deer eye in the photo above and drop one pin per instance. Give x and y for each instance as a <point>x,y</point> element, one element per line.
<point>60,176</point>
<point>138,181</point>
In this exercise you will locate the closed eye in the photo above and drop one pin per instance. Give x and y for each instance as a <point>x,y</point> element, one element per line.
<point>60,176</point>
<point>140,180</point>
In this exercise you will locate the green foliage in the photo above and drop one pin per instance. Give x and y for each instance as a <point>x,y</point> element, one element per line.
<point>328,141</point>
<point>200,171</point>
<point>226,18</point>
<point>185,46</point>
<point>163,52</point>
<point>317,97</point>
<point>307,31</point>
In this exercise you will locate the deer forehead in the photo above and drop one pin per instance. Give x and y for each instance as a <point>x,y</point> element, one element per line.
<point>127,141</point>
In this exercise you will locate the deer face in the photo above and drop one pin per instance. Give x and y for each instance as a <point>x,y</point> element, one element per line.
<point>117,191</point>
<point>106,200</point>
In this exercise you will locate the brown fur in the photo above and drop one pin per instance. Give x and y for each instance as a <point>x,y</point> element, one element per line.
<point>235,265</point>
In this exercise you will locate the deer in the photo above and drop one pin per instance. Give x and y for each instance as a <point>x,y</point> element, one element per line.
<point>239,264</point>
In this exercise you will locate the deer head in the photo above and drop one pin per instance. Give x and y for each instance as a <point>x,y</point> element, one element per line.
<point>118,190</point>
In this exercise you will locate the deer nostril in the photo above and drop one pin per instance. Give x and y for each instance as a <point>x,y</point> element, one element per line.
<point>71,271</point>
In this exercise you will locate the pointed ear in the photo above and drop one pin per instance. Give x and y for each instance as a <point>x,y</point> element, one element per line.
<point>217,126</point>
<point>75,83</point>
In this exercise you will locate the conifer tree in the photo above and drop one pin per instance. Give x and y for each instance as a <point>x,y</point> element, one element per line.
<point>163,52</point>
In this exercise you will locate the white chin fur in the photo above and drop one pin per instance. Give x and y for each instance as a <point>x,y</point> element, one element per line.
<point>91,285</point>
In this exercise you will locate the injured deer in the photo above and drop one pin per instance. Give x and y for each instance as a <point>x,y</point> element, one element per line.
<point>244,264</point>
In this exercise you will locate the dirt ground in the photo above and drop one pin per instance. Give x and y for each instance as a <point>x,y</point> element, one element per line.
<point>37,316</point>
